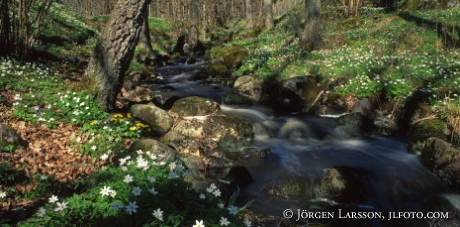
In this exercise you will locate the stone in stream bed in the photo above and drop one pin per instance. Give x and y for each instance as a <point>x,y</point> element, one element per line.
<point>158,119</point>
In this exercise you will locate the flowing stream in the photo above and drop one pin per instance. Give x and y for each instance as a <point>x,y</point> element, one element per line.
<point>385,177</point>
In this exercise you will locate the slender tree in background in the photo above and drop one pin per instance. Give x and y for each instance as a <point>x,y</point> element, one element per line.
<point>6,36</point>
<point>249,18</point>
<point>268,9</point>
<point>19,27</point>
<point>193,35</point>
<point>114,51</point>
<point>313,39</point>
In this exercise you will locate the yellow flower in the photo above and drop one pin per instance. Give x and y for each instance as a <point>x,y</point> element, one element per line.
<point>141,125</point>
<point>133,128</point>
<point>129,115</point>
<point>117,115</point>
<point>95,122</point>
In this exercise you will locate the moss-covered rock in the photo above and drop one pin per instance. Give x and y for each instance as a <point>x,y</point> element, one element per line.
<point>158,119</point>
<point>331,103</point>
<point>9,138</point>
<point>246,90</point>
<point>226,60</point>
<point>218,139</point>
<point>194,106</point>
<point>429,128</point>
<point>444,160</point>
<point>289,190</point>
<point>342,184</point>
<point>292,94</point>
<point>162,152</point>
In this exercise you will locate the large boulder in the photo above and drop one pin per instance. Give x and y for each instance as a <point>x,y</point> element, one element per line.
<point>218,139</point>
<point>385,126</point>
<point>163,152</point>
<point>246,90</point>
<point>351,126</point>
<point>425,129</point>
<point>444,203</point>
<point>194,106</point>
<point>364,107</point>
<point>292,94</point>
<point>342,184</point>
<point>227,60</point>
<point>9,138</point>
<point>331,103</point>
<point>444,160</point>
<point>158,119</point>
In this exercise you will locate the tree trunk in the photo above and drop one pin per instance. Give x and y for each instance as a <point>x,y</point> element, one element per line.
<point>114,51</point>
<point>313,28</point>
<point>145,43</point>
<point>268,8</point>
<point>249,19</point>
<point>194,23</point>
<point>6,36</point>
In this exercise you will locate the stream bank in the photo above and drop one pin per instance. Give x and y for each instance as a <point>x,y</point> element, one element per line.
<point>294,143</point>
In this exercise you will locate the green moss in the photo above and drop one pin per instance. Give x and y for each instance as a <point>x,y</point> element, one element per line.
<point>429,128</point>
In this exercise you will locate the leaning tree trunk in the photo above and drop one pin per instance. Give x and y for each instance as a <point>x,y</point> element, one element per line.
<point>114,51</point>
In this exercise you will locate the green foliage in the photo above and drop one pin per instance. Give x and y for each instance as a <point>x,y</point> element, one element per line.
<point>361,87</point>
<point>61,21</point>
<point>108,135</point>
<point>9,175</point>
<point>141,191</point>
<point>72,107</point>
<point>26,77</point>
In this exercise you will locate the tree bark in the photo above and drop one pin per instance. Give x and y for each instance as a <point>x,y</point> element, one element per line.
<point>313,27</point>
<point>145,43</point>
<point>114,51</point>
<point>6,36</point>
<point>268,8</point>
<point>249,18</point>
<point>194,23</point>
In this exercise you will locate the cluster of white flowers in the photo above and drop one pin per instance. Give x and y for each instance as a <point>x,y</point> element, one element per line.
<point>60,206</point>
<point>107,191</point>
<point>213,190</point>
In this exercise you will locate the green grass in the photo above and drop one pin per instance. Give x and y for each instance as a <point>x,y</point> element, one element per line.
<point>385,54</point>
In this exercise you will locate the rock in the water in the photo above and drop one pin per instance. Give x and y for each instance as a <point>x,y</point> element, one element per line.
<point>218,138</point>
<point>291,189</point>
<point>194,106</point>
<point>444,160</point>
<point>429,128</point>
<point>293,94</point>
<point>352,126</point>
<point>444,203</point>
<point>331,104</point>
<point>385,126</point>
<point>246,90</point>
<point>158,119</point>
<point>364,107</point>
<point>342,184</point>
